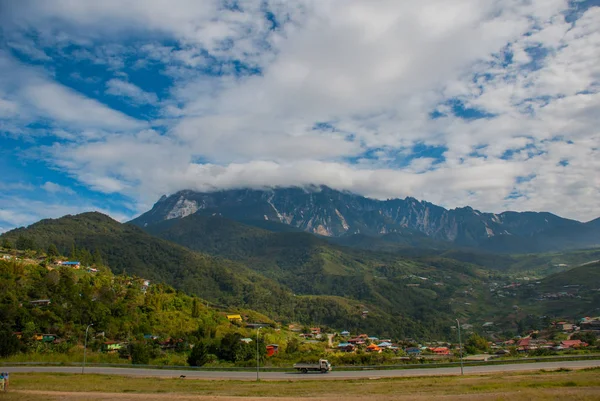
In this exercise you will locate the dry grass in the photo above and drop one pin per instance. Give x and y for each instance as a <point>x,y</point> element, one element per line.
<point>573,385</point>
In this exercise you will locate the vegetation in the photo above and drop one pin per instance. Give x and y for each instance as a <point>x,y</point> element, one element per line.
<point>292,277</point>
<point>334,285</point>
<point>515,386</point>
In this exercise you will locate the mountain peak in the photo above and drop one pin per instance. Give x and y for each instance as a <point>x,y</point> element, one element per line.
<point>328,212</point>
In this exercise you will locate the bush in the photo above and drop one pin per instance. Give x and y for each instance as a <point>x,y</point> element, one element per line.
<point>9,343</point>
<point>140,353</point>
<point>542,352</point>
<point>199,355</point>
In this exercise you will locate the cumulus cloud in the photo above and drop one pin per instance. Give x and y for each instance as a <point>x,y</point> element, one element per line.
<point>341,93</point>
<point>34,96</point>
<point>53,187</point>
<point>130,91</point>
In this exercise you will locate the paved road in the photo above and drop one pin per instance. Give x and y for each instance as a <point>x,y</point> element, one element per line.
<point>357,374</point>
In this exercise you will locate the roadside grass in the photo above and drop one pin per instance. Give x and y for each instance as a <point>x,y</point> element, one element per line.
<point>582,382</point>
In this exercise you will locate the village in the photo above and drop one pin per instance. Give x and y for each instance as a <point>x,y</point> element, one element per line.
<point>480,342</point>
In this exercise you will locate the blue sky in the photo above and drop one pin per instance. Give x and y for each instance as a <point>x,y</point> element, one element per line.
<point>108,105</point>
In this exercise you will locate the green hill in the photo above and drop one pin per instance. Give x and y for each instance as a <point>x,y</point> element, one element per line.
<point>126,248</point>
<point>332,288</point>
<point>417,289</point>
<point>586,276</point>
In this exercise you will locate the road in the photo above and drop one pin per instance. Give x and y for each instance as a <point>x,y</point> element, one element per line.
<point>355,374</point>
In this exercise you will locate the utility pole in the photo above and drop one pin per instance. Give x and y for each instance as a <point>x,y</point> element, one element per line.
<point>85,346</point>
<point>460,348</point>
<point>257,356</point>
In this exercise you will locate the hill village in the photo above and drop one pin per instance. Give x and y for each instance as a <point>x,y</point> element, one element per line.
<point>560,337</point>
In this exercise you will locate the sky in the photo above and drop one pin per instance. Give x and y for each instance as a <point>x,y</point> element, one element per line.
<point>108,105</point>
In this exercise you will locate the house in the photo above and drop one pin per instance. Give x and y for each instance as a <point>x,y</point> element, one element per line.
<point>257,325</point>
<point>345,333</point>
<point>234,318</point>
<point>40,302</point>
<point>111,346</point>
<point>295,328</point>
<point>413,351</point>
<point>356,341</point>
<point>373,348</point>
<point>48,338</point>
<point>346,347</point>
<point>524,342</point>
<point>272,349</point>
<point>315,330</point>
<point>573,344</point>
<point>384,344</point>
<point>441,350</point>
<point>74,264</point>
<point>590,323</point>
<point>246,340</point>
<point>150,337</point>
<point>564,326</point>
<point>373,338</point>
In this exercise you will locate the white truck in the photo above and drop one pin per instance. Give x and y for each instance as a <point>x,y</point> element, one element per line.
<point>322,366</point>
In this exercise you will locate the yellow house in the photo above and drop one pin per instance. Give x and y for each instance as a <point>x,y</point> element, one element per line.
<point>234,318</point>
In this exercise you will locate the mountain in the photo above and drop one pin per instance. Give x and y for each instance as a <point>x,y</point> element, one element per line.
<point>334,214</point>
<point>419,289</point>
<point>127,248</point>
<point>574,292</point>
<point>285,275</point>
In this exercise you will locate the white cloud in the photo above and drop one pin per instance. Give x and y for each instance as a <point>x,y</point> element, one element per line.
<point>373,70</point>
<point>36,96</point>
<point>130,91</point>
<point>52,187</point>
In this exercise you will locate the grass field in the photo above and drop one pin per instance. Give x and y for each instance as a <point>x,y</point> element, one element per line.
<point>542,385</point>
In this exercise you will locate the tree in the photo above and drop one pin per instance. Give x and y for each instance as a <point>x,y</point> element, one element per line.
<point>140,353</point>
<point>476,343</point>
<point>52,251</point>
<point>195,308</point>
<point>97,258</point>
<point>199,355</point>
<point>292,346</point>
<point>587,337</point>
<point>9,343</point>
<point>25,243</point>
<point>6,244</point>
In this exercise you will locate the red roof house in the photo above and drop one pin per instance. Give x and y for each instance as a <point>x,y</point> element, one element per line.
<point>573,344</point>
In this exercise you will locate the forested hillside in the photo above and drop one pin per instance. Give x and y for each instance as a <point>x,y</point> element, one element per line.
<point>417,289</point>
<point>307,282</point>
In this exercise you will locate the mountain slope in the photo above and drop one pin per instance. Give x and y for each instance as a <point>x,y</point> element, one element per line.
<point>127,248</point>
<point>331,289</point>
<point>418,289</point>
<point>331,213</point>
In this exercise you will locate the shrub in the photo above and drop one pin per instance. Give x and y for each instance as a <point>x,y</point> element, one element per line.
<point>9,343</point>
<point>140,353</point>
<point>199,355</point>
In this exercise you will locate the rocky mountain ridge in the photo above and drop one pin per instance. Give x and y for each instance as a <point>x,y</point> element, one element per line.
<point>331,213</point>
